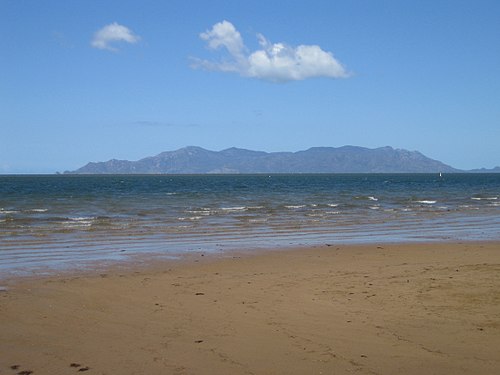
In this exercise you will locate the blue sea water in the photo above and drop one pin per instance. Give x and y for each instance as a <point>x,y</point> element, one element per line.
<point>72,221</point>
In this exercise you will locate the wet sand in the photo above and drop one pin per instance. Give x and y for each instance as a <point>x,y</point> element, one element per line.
<point>371,309</point>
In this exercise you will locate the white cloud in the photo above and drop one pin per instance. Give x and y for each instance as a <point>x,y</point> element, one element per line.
<point>109,34</point>
<point>276,62</point>
<point>224,34</point>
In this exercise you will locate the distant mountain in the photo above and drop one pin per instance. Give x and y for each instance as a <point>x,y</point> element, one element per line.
<point>346,159</point>
<point>485,170</point>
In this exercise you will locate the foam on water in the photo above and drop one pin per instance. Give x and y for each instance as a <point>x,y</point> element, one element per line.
<point>242,208</point>
<point>190,218</point>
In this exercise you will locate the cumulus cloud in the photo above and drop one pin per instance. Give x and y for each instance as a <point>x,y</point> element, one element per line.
<point>275,62</point>
<point>112,33</point>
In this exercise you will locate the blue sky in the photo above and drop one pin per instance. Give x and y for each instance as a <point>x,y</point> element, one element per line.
<point>91,80</point>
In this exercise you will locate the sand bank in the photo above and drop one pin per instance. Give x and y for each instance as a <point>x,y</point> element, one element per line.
<point>389,309</point>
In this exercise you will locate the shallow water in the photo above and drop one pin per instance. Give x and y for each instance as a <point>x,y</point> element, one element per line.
<point>53,222</point>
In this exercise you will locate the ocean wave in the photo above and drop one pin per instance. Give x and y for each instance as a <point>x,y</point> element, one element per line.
<point>78,222</point>
<point>484,198</point>
<point>426,202</point>
<point>82,218</point>
<point>191,218</point>
<point>38,210</point>
<point>332,204</point>
<point>294,207</point>
<point>366,197</point>
<point>199,212</point>
<point>237,208</point>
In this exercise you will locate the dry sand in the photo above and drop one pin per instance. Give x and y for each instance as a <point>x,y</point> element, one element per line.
<point>390,309</point>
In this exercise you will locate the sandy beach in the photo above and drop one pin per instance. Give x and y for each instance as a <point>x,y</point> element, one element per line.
<point>371,309</point>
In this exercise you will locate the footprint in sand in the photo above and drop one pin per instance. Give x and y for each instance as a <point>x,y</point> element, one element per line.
<point>24,372</point>
<point>79,366</point>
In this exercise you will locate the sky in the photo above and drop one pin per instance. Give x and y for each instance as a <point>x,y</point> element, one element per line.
<point>87,80</point>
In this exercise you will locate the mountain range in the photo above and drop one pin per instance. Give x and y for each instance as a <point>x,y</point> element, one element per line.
<point>346,159</point>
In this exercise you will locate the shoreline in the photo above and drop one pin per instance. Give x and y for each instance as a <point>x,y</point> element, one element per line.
<point>408,308</point>
<point>151,261</point>
<point>58,222</point>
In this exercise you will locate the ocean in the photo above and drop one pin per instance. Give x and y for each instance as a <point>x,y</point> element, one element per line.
<point>65,222</point>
